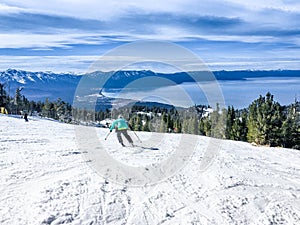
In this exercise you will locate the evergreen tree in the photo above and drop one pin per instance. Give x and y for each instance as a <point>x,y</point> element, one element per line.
<point>185,125</point>
<point>194,125</point>
<point>169,122</point>
<point>218,123</point>
<point>264,121</point>
<point>207,126</point>
<point>146,125</point>
<point>3,96</point>
<point>138,123</point>
<point>163,123</point>
<point>201,127</point>
<point>231,124</point>
<point>252,125</point>
<point>132,122</point>
<point>18,104</point>
<point>274,125</point>
<point>239,127</point>
<point>59,108</point>
<point>291,129</point>
<point>177,125</point>
<point>47,110</point>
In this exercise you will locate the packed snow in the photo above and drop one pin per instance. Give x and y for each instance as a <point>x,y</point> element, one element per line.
<point>47,178</point>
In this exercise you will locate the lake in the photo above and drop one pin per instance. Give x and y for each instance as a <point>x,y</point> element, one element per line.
<point>239,93</point>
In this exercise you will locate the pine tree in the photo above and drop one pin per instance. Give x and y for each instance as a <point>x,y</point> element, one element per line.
<point>218,123</point>
<point>194,124</point>
<point>132,122</point>
<point>252,125</point>
<point>146,125</point>
<point>264,121</point>
<point>18,104</point>
<point>170,123</point>
<point>274,132</point>
<point>231,126</point>
<point>138,123</point>
<point>47,110</point>
<point>186,125</point>
<point>163,123</point>
<point>201,127</point>
<point>177,125</point>
<point>239,128</point>
<point>59,109</point>
<point>207,126</point>
<point>291,129</point>
<point>3,96</point>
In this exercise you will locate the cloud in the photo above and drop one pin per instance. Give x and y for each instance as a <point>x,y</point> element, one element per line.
<point>42,23</point>
<point>4,9</point>
<point>38,31</point>
<point>74,64</point>
<point>258,5</point>
<point>81,64</point>
<point>108,10</point>
<point>113,10</point>
<point>212,28</point>
<point>46,41</point>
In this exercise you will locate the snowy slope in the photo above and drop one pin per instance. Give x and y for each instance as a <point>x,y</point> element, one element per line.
<point>46,179</point>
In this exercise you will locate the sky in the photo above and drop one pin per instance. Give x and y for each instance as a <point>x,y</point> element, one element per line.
<point>69,35</point>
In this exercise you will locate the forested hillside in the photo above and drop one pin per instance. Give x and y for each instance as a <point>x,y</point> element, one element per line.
<point>263,122</point>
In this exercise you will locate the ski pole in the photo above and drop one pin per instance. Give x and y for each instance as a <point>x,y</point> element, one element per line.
<point>107,136</point>
<point>137,136</point>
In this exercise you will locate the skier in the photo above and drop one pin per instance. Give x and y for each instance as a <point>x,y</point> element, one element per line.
<point>121,126</point>
<point>26,117</point>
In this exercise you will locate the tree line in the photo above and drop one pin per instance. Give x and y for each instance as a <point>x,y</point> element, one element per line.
<point>19,105</point>
<point>263,122</point>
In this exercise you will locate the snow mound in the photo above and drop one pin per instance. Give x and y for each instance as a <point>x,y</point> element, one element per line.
<point>46,179</point>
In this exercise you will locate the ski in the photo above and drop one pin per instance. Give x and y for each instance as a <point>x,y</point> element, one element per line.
<point>140,147</point>
<point>144,147</point>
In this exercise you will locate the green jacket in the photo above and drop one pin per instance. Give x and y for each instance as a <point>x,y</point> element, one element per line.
<point>119,124</point>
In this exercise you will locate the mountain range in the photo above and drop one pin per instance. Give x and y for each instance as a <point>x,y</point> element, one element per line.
<point>38,86</point>
<point>41,85</point>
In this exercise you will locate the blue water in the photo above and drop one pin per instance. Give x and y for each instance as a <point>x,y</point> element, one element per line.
<point>239,93</point>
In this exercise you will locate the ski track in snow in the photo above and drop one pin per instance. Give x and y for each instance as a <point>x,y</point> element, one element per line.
<point>44,179</point>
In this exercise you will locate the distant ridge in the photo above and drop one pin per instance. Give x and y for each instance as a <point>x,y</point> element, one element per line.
<point>41,85</point>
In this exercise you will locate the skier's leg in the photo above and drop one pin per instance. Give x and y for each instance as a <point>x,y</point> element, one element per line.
<point>127,137</point>
<point>119,137</point>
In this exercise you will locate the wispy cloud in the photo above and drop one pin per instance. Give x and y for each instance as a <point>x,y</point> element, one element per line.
<point>10,9</point>
<point>212,29</point>
<point>49,41</point>
<point>58,64</point>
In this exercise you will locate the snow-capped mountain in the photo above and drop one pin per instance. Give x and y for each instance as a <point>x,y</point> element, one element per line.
<point>40,85</point>
<point>46,178</point>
